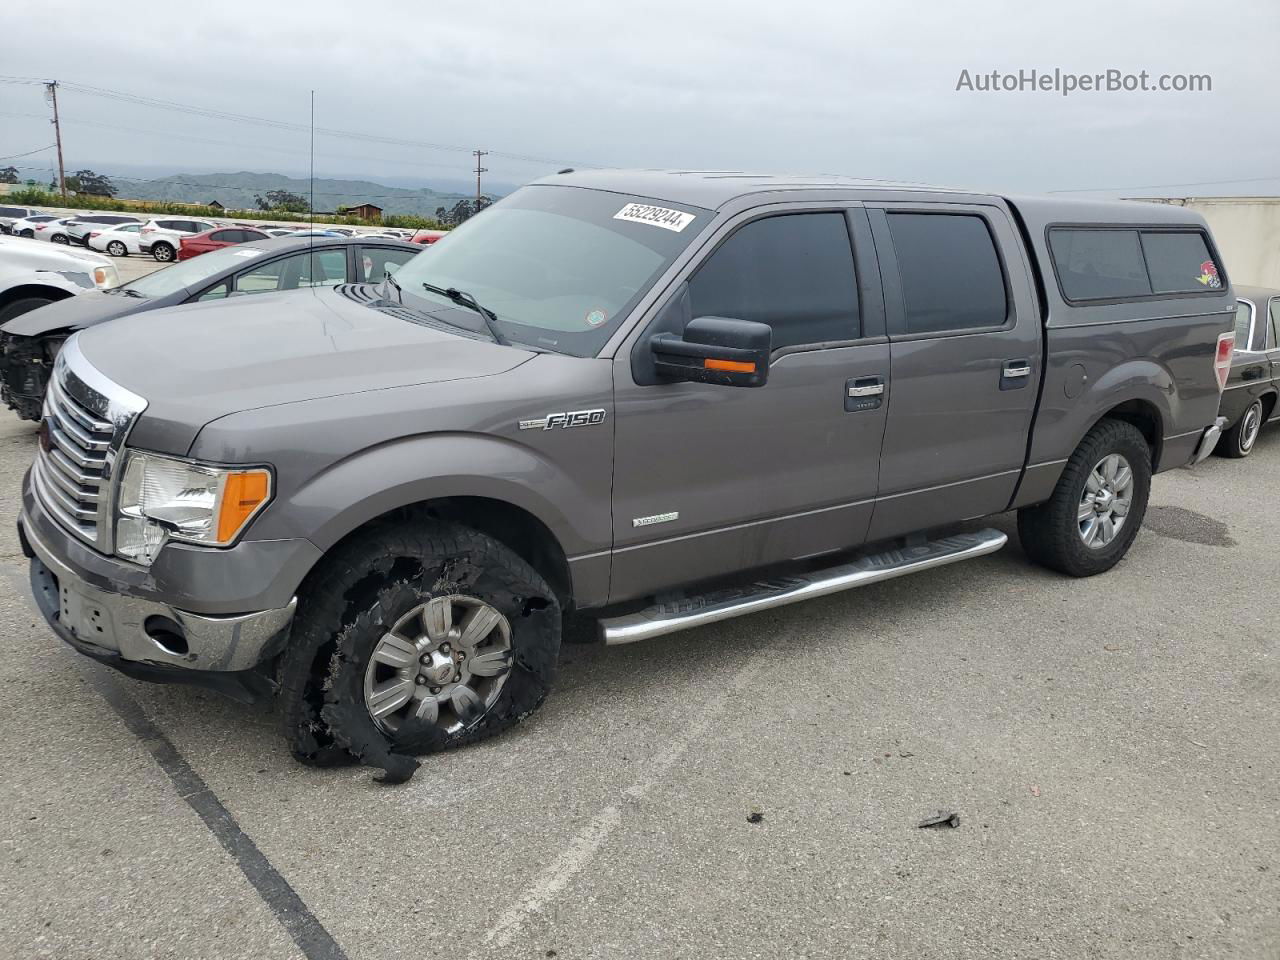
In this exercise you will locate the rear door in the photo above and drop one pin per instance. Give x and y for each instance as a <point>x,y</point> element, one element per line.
<point>711,480</point>
<point>965,345</point>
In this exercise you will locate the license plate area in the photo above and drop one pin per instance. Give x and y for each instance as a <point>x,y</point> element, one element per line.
<point>85,617</point>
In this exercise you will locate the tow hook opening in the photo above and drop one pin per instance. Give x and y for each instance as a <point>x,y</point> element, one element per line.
<point>167,632</point>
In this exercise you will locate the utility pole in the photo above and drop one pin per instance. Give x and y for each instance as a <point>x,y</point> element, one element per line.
<point>52,89</point>
<point>479,170</point>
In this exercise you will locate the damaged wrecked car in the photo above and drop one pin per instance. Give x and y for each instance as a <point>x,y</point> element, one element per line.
<point>652,400</point>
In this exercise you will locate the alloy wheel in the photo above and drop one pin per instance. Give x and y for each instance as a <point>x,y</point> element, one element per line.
<point>1105,502</point>
<point>443,664</point>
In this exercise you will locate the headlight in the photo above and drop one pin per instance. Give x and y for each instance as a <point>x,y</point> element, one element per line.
<point>164,498</point>
<point>105,277</point>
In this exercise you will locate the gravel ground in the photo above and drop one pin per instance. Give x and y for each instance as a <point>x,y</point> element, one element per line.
<point>750,789</point>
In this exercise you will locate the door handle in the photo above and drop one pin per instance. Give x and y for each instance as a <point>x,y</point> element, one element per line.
<point>867,390</point>
<point>863,393</point>
<point>1015,374</point>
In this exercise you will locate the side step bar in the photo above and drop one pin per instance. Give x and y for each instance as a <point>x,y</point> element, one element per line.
<point>685,613</point>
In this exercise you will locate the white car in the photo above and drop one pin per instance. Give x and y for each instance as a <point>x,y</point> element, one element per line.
<point>26,227</point>
<point>9,214</point>
<point>54,231</point>
<point>162,236</point>
<point>31,276</point>
<point>119,240</point>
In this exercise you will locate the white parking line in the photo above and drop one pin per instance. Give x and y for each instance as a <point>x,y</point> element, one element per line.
<point>584,845</point>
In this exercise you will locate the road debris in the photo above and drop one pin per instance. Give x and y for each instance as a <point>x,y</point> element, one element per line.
<point>943,818</point>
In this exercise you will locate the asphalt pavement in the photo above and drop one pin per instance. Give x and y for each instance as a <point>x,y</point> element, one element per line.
<point>747,790</point>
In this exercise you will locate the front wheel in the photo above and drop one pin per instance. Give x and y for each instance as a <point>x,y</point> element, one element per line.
<point>1091,520</point>
<point>18,307</point>
<point>163,252</point>
<point>1238,442</point>
<point>413,642</point>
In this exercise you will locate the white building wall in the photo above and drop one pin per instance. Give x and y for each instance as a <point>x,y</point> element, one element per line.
<point>1247,231</point>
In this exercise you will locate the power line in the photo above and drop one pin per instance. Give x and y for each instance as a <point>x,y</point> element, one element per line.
<point>15,156</point>
<point>168,135</point>
<point>1158,186</point>
<point>215,114</point>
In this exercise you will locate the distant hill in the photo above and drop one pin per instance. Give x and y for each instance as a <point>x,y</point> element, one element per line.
<point>236,191</point>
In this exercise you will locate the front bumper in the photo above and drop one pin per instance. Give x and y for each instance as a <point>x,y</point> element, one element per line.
<point>145,636</point>
<point>1210,440</point>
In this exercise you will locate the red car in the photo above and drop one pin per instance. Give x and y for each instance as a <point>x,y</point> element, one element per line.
<point>199,243</point>
<point>426,237</point>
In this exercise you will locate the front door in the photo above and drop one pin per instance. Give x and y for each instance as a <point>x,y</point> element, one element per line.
<point>714,480</point>
<point>965,363</point>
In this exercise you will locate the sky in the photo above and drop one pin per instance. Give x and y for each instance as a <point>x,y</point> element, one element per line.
<point>857,88</point>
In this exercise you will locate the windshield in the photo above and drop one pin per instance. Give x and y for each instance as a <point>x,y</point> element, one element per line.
<point>559,266</point>
<point>186,273</point>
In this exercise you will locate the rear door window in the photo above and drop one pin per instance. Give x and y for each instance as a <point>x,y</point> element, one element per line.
<point>1244,320</point>
<point>279,274</point>
<point>1273,327</point>
<point>1178,261</point>
<point>794,272</point>
<point>950,272</point>
<point>225,236</point>
<point>376,262</point>
<point>1099,264</point>
<point>324,268</point>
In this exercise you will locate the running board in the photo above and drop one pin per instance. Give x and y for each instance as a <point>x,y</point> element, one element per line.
<point>686,613</point>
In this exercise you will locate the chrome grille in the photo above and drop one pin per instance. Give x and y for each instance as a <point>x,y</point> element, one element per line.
<point>86,419</point>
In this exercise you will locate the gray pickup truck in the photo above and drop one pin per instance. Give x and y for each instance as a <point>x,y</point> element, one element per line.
<point>662,399</point>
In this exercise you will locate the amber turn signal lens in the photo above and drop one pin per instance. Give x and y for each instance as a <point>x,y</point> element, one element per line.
<point>243,494</point>
<point>732,366</point>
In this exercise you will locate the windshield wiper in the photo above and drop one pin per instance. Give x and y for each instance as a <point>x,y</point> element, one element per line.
<point>467,300</point>
<point>130,292</point>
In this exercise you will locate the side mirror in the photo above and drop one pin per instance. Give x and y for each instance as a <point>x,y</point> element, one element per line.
<point>719,350</point>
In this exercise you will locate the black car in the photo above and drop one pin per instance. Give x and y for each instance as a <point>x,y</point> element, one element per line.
<point>29,343</point>
<point>1249,399</point>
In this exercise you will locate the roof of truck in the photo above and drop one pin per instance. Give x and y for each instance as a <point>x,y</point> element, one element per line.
<point>714,188</point>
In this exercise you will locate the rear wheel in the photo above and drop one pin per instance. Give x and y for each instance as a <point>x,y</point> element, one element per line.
<point>116,249</point>
<point>1239,440</point>
<point>60,238</point>
<point>416,641</point>
<point>163,252</point>
<point>1091,520</point>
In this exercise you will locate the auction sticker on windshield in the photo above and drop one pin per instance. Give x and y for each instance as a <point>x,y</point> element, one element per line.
<point>675,220</point>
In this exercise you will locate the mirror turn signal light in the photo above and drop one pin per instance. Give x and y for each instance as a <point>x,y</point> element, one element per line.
<point>730,366</point>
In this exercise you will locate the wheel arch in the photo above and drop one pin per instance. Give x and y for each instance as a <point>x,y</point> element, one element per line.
<point>1143,415</point>
<point>511,525</point>
<point>21,291</point>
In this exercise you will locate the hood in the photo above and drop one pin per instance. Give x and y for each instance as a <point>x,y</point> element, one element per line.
<point>21,252</point>
<point>75,313</point>
<point>196,363</point>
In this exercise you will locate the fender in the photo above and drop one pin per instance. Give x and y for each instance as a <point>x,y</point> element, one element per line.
<point>415,469</point>
<point>1141,387</point>
<point>411,470</point>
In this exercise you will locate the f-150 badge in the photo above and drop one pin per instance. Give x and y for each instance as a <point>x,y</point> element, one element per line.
<point>570,418</point>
